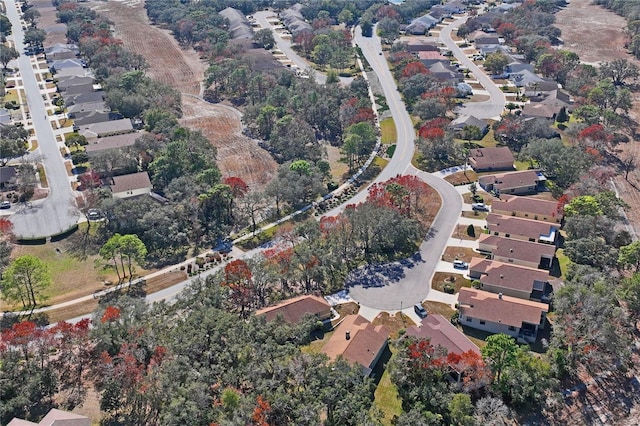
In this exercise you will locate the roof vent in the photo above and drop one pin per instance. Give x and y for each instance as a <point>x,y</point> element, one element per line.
<point>500,296</point>
<point>501,276</point>
<point>347,334</point>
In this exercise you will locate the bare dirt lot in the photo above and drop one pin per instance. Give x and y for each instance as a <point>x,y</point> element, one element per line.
<point>183,69</point>
<point>596,35</point>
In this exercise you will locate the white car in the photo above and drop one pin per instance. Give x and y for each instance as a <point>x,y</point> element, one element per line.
<point>459,264</point>
<point>481,207</point>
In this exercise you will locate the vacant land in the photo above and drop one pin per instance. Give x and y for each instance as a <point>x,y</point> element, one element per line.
<point>183,69</point>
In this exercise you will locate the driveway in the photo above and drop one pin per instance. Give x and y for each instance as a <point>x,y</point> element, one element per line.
<point>492,108</point>
<point>57,213</point>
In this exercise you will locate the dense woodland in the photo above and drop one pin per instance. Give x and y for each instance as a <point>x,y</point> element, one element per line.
<point>206,360</point>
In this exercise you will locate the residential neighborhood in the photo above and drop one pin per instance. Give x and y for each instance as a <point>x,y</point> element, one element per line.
<point>302,212</point>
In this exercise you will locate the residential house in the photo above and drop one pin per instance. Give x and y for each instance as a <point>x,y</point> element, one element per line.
<point>61,47</point>
<point>294,21</point>
<point>239,26</point>
<point>486,40</point>
<point>356,340</point>
<point>65,82</point>
<point>74,71</point>
<point>488,49</point>
<point>514,183</point>
<point>293,310</point>
<point>538,110</point>
<point>454,6</point>
<point>415,44</point>
<point>497,313</point>
<point>106,128</point>
<point>87,118</point>
<point>87,97</point>
<point>8,177</point>
<point>463,121</point>
<point>441,332</point>
<point>131,185</point>
<point>55,418</point>
<point>511,280</point>
<point>430,57</point>
<point>421,25</point>
<point>517,252</point>
<point>528,207</point>
<point>100,145</point>
<point>547,104</point>
<point>522,229</point>
<point>446,73</point>
<point>491,159</point>
<point>82,109</point>
<point>464,89</point>
<point>61,64</point>
<point>5,117</point>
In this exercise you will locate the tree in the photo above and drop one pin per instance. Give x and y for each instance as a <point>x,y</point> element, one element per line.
<point>491,411</point>
<point>7,54</point>
<point>629,292</point>
<point>461,410</point>
<point>31,15</point>
<point>5,26</point>
<point>618,71</point>
<point>496,62</point>
<point>133,249</point>
<point>34,36</point>
<point>110,251</point>
<point>500,352</point>
<point>629,256</point>
<point>562,116</point>
<point>25,280</point>
<point>13,143</point>
<point>388,29</point>
<point>264,38</point>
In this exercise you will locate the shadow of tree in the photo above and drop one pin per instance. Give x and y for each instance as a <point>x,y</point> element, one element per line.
<point>381,274</point>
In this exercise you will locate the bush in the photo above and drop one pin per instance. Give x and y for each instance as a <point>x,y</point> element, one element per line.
<point>477,198</point>
<point>448,288</point>
<point>471,231</point>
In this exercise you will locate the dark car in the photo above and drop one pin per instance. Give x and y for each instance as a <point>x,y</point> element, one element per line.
<point>5,205</point>
<point>223,246</point>
<point>420,310</point>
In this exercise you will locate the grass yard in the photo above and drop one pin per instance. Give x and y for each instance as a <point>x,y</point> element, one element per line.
<point>338,167</point>
<point>475,214</point>
<point>388,131</point>
<point>487,198</point>
<point>316,346</point>
<point>440,279</point>
<point>461,178</point>
<point>393,323</point>
<point>563,264</point>
<point>380,162</point>
<point>458,253</point>
<point>439,308</point>
<point>461,232</point>
<point>387,399</point>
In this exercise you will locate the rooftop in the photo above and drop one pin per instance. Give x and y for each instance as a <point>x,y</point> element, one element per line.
<point>511,179</point>
<point>526,251</point>
<point>506,275</point>
<point>514,203</point>
<point>55,418</point>
<point>498,309</point>
<point>441,332</point>
<point>293,310</point>
<point>363,345</point>
<point>488,157</point>
<point>111,142</point>
<point>130,182</point>
<point>523,227</point>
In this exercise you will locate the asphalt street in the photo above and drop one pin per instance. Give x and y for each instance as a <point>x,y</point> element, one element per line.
<point>491,108</point>
<point>57,213</point>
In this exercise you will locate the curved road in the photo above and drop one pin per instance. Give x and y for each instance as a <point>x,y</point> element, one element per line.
<point>491,108</point>
<point>56,213</point>
<point>414,282</point>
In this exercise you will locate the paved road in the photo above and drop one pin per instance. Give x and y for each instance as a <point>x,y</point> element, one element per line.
<point>406,282</point>
<point>491,108</point>
<point>285,47</point>
<point>55,214</point>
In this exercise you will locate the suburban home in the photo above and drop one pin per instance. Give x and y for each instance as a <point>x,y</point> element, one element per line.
<point>514,183</point>
<point>7,177</point>
<point>487,49</point>
<point>446,73</point>
<point>463,121</point>
<point>486,40</point>
<point>517,252</point>
<point>539,110</point>
<point>497,313</point>
<point>106,128</point>
<point>100,145</point>
<point>421,25</point>
<point>441,332</point>
<point>511,280</point>
<point>528,207</point>
<point>5,116</point>
<point>239,26</point>
<point>416,44</point>
<point>66,82</point>
<point>82,98</point>
<point>54,66</point>
<point>453,6</point>
<point>359,342</point>
<point>131,185</point>
<point>55,418</point>
<point>86,108</point>
<point>430,57</point>
<point>293,310</point>
<point>74,71</point>
<point>294,21</point>
<point>490,159</point>
<point>61,47</point>
<point>524,77</point>
<point>522,229</point>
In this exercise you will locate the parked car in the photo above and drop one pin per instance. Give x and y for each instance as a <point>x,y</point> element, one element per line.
<point>5,205</point>
<point>480,207</point>
<point>420,310</point>
<point>459,264</point>
<point>94,214</point>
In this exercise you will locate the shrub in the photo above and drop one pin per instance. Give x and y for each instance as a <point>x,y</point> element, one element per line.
<point>471,231</point>
<point>448,288</point>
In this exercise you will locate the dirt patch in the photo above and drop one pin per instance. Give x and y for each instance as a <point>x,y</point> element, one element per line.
<point>349,308</point>
<point>475,214</point>
<point>184,70</point>
<point>457,281</point>
<point>393,322</point>
<point>438,308</point>
<point>461,232</point>
<point>463,177</point>
<point>237,154</point>
<point>458,253</point>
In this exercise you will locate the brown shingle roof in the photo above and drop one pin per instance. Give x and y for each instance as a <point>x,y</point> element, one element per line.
<point>485,158</point>
<point>130,182</point>
<point>511,179</point>
<point>517,226</point>
<point>499,274</point>
<point>111,142</point>
<point>506,310</point>
<point>441,332</point>
<point>513,203</point>
<point>526,251</point>
<point>364,344</point>
<point>55,418</point>
<point>293,310</point>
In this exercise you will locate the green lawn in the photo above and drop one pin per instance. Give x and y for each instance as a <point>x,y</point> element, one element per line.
<point>388,131</point>
<point>387,399</point>
<point>563,262</point>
